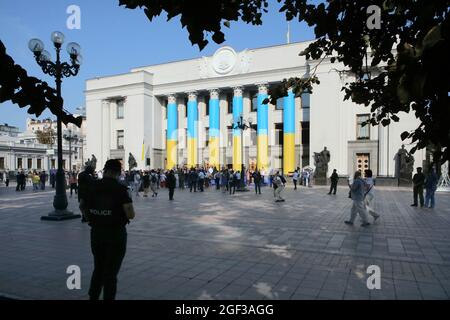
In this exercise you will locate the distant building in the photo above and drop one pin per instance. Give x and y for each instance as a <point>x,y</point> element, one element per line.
<point>21,150</point>
<point>7,130</point>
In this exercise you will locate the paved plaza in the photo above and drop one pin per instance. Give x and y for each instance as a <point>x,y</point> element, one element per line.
<point>215,246</point>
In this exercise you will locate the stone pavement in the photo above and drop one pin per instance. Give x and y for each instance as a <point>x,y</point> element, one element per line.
<point>216,246</point>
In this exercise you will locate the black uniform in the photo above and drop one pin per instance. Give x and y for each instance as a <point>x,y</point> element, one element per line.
<point>418,184</point>
<point>171,184</point>
<point>108,234</point>
<point>334,181</point>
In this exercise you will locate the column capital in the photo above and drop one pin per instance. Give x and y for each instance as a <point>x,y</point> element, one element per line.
<point>214,93</point>
<point>171,98</point>
<point>192,95</point>
<point>263,87</point>
<point>237,90</point>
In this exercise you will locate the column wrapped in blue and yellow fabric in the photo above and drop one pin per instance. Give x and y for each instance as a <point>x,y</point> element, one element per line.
<point>262,129</point>
<point>289,133</point>
<point>172,133</point>
<point>237,143</point>
<point>214,129</point>
<point>192,130</point>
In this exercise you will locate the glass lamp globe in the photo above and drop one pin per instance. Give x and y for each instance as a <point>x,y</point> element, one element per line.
<point>73,49</point>
<point>57,37</point>
<point>45,56</point>
<point>250,120</point>
<point>35,45</point>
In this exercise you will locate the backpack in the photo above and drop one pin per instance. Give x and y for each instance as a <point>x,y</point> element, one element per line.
<point>283,179</point>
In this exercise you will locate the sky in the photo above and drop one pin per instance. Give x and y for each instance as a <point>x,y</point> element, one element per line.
<point>115,39</point>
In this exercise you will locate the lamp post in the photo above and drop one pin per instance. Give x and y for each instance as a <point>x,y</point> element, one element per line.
<point>242,125</point>
<point>70,137</point>
<point>58,70</point>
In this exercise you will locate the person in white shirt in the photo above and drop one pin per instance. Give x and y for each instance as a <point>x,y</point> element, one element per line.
<point>370,194</point>
<point>278,185</point>
<point>137,183</point>
<point>295,177</point>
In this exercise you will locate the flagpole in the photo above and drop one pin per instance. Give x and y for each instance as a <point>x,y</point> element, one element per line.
<point>288,35</point>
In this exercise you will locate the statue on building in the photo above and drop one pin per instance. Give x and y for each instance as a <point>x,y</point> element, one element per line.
<point>91,162</point>
<point>404,164</point>
<point>321,160</point>
<point>131,162</point>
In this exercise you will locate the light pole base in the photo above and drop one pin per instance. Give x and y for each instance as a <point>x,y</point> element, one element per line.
<point>59,215</point>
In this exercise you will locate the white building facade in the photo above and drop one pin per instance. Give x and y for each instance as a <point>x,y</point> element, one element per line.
<point>182,113</point>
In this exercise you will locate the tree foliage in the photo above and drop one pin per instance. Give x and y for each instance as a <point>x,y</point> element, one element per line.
<point>402,67</point>
<point>19,88</point>
<point>46,136</point>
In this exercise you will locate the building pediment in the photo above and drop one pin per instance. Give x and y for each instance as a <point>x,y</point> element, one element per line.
<point>225,61</point>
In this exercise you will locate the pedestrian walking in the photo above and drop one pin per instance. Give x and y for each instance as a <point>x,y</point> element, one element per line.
<point>146,183</point>
<point>171,184</point>
<point>418,185</point>
<point>357,189</point>
<point>369,195</point>
<point>217,177</point>
<point>193,180</point>
<point>201,180</point>
<point>295,177</point>
<point>35,180</point>
<point>278,183</point>
<point>334,178</point>
<point>257,180</point>
<point>73,183</point>
<point>431,182</point>
<point>137,183</point>
<point>154,183</point>
<point>108,209</point>
<point>232,182</point>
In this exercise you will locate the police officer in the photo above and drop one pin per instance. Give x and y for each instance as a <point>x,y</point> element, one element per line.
<point>108,209</point>
<point>85,179</point>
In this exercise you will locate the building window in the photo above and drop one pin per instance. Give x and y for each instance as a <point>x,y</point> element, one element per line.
<point>207,105</point>
<point>64,163</point>
<point>304,125</point>
<point>29,163</point>
<point>230,102</point>
<point>230,136</point>
<point>120,107</point>
<point>253,134</point>
<point>362,132</point>
<point>2,163</point>
<point>39,164</point>
<point>53,163</point>
<point>120,138</point>
<point>19,163</point>
<point>279,134</point>
<point>279,105</point>
<point>206,137</point>
<point>253,101</point>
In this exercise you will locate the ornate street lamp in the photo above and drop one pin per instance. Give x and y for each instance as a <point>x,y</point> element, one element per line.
<point>71,138</point>
<point>242,125</point>
<point>58,70</point>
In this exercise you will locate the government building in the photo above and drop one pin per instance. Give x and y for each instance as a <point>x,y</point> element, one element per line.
<point>184,113</point>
